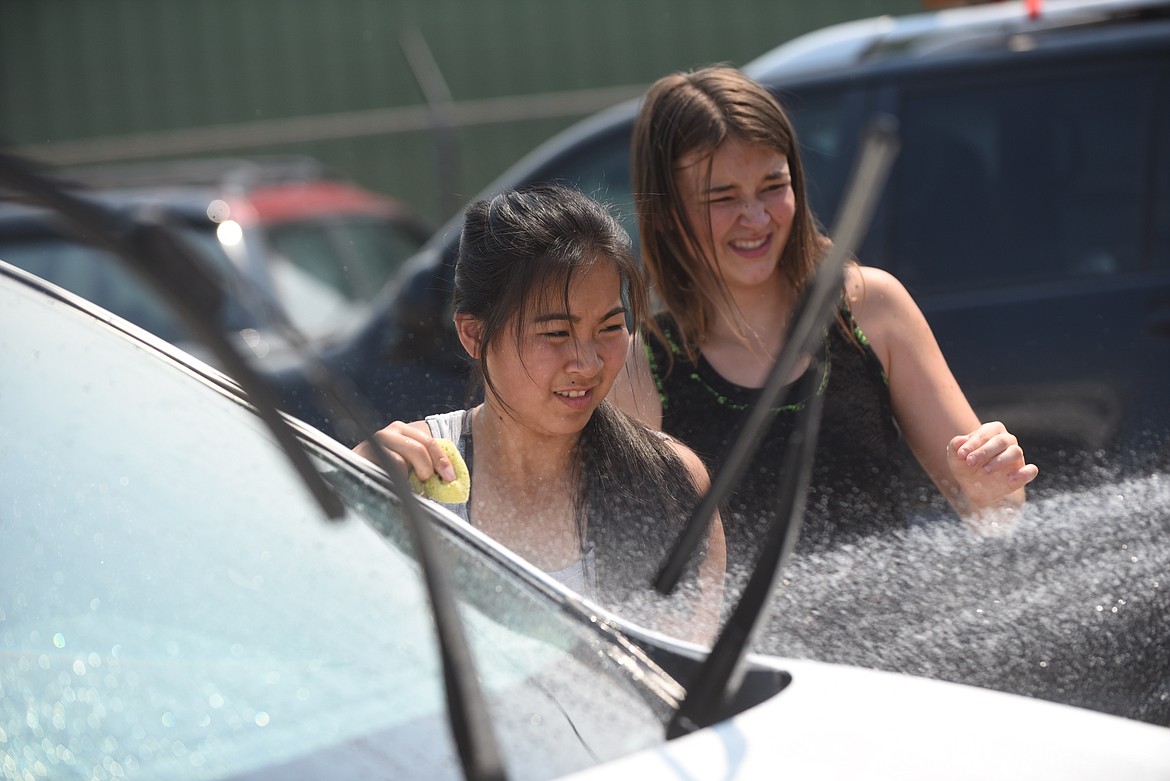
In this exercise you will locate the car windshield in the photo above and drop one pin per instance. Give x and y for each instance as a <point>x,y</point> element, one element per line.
<point>175,606</point>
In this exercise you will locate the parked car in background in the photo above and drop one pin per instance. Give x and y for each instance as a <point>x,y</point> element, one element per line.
<point>297,244</point>
<point>37,240</point>
<point>1028,213</point>
<point>319,245</point>
<point>175,605</point>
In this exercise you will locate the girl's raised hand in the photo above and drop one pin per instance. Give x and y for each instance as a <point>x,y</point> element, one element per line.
<point>413,447</point>
<point>989,468</point>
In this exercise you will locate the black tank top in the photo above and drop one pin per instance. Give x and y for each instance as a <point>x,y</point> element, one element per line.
<point>856,485</point>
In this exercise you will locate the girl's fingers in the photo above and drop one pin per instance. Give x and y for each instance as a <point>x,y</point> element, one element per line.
<point>440,461</point>
<point>409,446</point>
<point>990,443</point>
<point>412,448</point>
<point>1024,475</point>
<point>1009,458</point>
<point>424,453</point>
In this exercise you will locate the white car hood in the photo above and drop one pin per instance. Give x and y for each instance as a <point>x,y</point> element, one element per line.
<point>838,722</point>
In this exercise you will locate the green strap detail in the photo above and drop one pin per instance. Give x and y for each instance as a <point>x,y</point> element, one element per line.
<point>863,340</point>
<point>719,397</point>
<point>654,370</point>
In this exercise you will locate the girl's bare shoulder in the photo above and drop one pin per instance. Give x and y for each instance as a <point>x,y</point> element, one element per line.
<point>877,297</point>
<point>865,285</point>
<point>692,462</point>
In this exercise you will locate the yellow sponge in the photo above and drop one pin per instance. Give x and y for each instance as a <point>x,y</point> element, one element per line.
<point>455,492</point>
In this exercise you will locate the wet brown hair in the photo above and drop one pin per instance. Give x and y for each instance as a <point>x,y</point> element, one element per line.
<point>696,112</point>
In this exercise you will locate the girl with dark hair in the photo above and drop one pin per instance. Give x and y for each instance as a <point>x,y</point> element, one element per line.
<point>730,243</point>
<point>545,285</point>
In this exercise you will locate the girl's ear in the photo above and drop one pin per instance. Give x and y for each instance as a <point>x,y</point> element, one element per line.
<point>470,333</point>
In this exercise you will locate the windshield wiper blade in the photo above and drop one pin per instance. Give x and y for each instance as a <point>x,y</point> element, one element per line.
<point>722,671</point>
<point>155,251</point>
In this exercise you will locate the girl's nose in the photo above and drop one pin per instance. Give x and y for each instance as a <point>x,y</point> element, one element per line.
<point>753,212</point>
<point>586,359</point>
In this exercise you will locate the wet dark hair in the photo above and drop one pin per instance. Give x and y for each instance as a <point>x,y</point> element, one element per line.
<point>696,112</point>
<point>518,249</point>
<point>525,246</point>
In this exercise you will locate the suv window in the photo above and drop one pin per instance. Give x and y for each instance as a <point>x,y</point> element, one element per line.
<point>355,256</point>
<point>826,149</point>
<point>1059,165</point>
<point>1160,258</point>
<point>601,170</point>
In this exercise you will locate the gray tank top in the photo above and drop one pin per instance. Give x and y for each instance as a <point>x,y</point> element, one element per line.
<point>581,575</point>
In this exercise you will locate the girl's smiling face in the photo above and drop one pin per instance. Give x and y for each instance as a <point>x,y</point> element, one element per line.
<point>743,212</point>
<point>568,352</point>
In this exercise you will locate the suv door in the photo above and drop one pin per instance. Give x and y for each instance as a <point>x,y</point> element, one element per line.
<point>1027,213</point>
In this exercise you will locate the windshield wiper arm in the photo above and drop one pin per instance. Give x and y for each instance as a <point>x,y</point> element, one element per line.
<point>722,671</point>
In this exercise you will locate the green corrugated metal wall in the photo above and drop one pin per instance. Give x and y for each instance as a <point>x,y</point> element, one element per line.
<point>100,80</point>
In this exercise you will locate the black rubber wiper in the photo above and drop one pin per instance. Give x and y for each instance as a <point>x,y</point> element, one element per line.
<point>176,271</point>
<point>722,671</point>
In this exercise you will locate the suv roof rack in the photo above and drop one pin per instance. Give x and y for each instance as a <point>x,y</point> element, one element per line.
<point>998,28</point>
<point>849,43</point>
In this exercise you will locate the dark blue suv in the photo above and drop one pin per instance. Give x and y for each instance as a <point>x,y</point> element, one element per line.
<point>1028,212</point>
